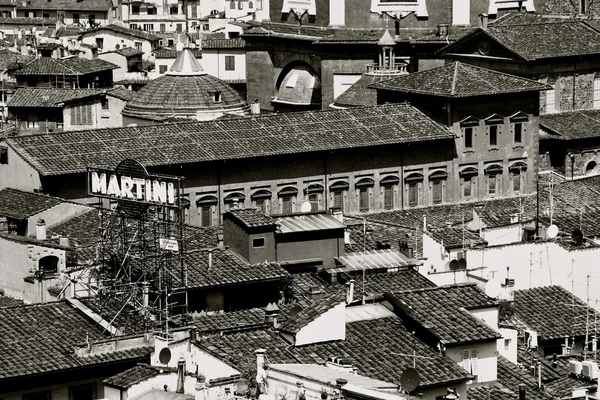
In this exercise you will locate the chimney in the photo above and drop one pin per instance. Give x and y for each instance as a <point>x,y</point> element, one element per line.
<point>261,374</point>
<point>145,291</point>
<point>522,391</point>
<point>180,375</point>
<point>209,259</point>
<point>350,291</point>
<point>40,229</point>
<point>255,107</point>
<point>483,20</point>
<point>271,313</point>
<point>442,30</point>
<point>64,241</point>
<point>200,387</point>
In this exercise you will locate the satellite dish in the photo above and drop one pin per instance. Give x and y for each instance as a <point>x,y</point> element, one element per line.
<point>493,288</point>
<point>552,231</point>
<point>164,356</point>
<point>410,379</point>
<point>306,207</point>
<point>577,236</point>
<point>462,263</point>
<point>454,265</point>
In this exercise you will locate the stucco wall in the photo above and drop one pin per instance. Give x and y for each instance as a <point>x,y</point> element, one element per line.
<point>487,360</point>
<point>55,215</point>
<point>112,39</point>
<point>18,173</point>
<point>59,392</point>
<point>331,325</point>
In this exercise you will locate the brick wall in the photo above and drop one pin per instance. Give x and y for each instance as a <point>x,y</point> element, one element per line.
<point>573,91</point>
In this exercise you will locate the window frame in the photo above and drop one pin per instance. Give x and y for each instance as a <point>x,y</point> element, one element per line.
<point>413,183</point>
<point>259,246</point>
<point>3,155</point>
<point>206,203</point>
<point>438,177</point>
<point>468,179</point>
<point>338,190</point>
<point>493,175</point>
<point>229,63</point>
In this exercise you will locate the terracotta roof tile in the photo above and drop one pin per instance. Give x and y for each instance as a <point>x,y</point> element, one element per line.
<point>7,301</point>
<point>132,376</point>
<point>20,204</point>
<point>572,125</point>
<point>28,21</point>
<point>548,311</point>
<point>360,94</point>
<point>511,376</point>
<point>31,97</point>
<point>443,312</point>
<point>68,66</point>
<point>252,217</point>
<point>224,321</point>
<point>11,60</point>
<point>137,33</point>
<point>71,152</point>
<point>457,80</point>
<point>120,93</point>
<point>88,5</point>
<point>310,311</point>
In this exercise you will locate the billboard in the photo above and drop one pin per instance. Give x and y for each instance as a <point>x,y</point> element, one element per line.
<point>133,187</point>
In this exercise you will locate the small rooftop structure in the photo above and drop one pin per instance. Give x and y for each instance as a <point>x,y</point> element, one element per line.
<point>308,223</point>
<point>388,259</point>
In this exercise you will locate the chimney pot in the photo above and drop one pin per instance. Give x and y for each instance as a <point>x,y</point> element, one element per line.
<point>180,375</point>
<point>483,20</point>
<point>341,381</point>
<point>350,291</point>
<point>522,391</point>
<point>40,229</point>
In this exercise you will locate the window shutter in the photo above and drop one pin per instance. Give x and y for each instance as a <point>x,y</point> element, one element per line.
<point>88,114</point>
<point>466,360</point>
<point>388,197</point>
<point>474,364</point>
<point>206,220</point>
<point>413,194</point>
<point>436,189</point>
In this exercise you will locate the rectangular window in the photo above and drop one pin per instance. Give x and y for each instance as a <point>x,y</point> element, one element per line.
<point>105,105</point>
<point>135,10</point>
<point>313,199</point>
<point>83,392</point>
<point>114,13</point>
<point>148,27</point>
<point>92,19</point>
<point>436,191</point>
<point>550,98</point>
<point>45,15</point>
<point>100,43</point>
<point>338,200</point>
<point>467,186</point>
<point>179,28</point>
<point>493,129</point>
<point>81,115</point>
<point>516,182</point>
<point>206,215</point>
<point>4,155</point>
<point>286,205</point>
<point>173,10</point>
<point>507,344</point>
<point>229,63</point>
<point>468,132</point>
<point>470,361</point>
<point>492,184</point>
<point>163,27</point>
<point>388,197</point>
<point>258,243</point>
<point>413,194</point>
<point>194,11</point>
<point>518,132</point>
<point>363,199</point>
<point>75,18</point>
<point>162,69</point>
<point>261,204</point>
<point>138,46</point>
<point>596,103</point>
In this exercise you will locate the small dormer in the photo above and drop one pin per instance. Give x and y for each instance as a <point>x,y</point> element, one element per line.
<point>388,64</point>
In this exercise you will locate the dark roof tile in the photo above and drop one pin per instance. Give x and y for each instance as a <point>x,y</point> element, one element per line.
<point>224,321</point>
<point>31,97</point>
<point>252,217</point>
<point>73,66</point>
<point>132,376</point>
<point>88,5</point>
<point>137,33</point>
<point>20,204</point>
<point>572,125</point>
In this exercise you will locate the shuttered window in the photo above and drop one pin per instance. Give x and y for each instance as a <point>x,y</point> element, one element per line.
<point>338,200</point>
<point>286,205</point>
<point>436,191</point>
<point>596,92</point>
<point>388,197</point>
<point>313,199</point>
<point>363,199</point>
<point>81,115</point>
<point>205,215</point>
<point>467,186</point>
<point>470,361</point>
<point>413,194</point>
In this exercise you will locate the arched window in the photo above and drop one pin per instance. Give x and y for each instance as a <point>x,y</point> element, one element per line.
<point>363,189</point>
<point>207,206</point>
<point>234,200</point>
<point>250,5</point>
<point>185,206</point>
<point>232,5</point>
<point>591,168</point>
<point>493,175</point>
<point>287,199</point>
<point>240,5</point>
<point>48,265</point>
<point>117,47</point>
<point>468,181</point>
<point>437,186</point>
<point>314,194</point>
<point>261,199</point>
<point>517,176</point>
<point>338,190</point>
<point>413,183</point>
<point>389,184</point>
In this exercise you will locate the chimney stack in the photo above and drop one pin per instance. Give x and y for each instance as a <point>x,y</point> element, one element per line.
<point>209,259</point>
<point>350,291</point>
<point>271,313</point>
<point>64,241</point>
<point>180,375</point>
<point>200,387</point>
<point>255,107</point>
<point>261,374</point>
<point>483,20</point>
<point>522,391</point>
<point>40,229</point>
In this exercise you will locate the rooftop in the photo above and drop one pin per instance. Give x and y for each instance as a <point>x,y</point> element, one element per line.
<point>443,312</point>
<point>261,136</point>
<point>12,60</point>
<point>457,80</point>
<point>88,5</point>
<point>552,311</point>
<point>371,259</point>
<point>360,93</point>
<point>132,376</point>
<point>252,217</point>
<point>33,97</point>
<point>28,21</point>
<point>226,321</point>
<point>307,223</point>
<point>310,310</point>
<point>67,66</point>
<point>21,204</point>
<point>137,33</point>
<point>572,125</point>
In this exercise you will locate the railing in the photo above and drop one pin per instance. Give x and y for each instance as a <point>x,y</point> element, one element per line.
<point>394,69</point>
<point>157,17</point>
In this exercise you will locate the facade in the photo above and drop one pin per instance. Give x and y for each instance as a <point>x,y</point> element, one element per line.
<point>185,91</point>
<point>85,13</point>
<point>115,37</point>
<point>45,110</point>
<point>128,59</point>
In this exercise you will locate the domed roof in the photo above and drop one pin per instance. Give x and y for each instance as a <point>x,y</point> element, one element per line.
<point>185,91</point>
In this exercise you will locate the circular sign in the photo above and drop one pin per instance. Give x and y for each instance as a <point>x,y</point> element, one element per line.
<point>133,169</point>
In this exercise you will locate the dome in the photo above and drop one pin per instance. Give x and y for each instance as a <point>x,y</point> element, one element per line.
<point>185,91</point>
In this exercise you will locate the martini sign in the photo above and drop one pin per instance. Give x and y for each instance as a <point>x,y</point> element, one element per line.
<point>133,187</point>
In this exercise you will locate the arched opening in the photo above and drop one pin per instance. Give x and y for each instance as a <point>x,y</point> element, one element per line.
<point>591,168</point>
<point>48,265</point>
<point>298,88</point>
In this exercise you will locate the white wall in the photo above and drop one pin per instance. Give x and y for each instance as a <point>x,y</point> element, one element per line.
<point>55,215</point>
<point>112,39</point>
<point>510,337</point>
<point>213,62</point>
<point>503,235</point>
<point>117,59</point>
<point>331,325</point>
<point>17,173</point>
<point>461,10</point>
<point>342,82</point>
<point>487,361</point>
<point>59,392</point>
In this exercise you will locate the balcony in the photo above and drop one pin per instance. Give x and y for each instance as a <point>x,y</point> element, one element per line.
<point>156,18</point>
<point>396,68</point>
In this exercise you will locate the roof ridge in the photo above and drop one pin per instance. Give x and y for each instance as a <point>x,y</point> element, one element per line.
<point>454,78</point>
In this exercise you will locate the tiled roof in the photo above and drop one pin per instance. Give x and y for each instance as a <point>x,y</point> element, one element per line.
<point>549,312</point>
<point>572,125</point>
<point>443,311</point>
<point>49,97</point>
<point>360,94</point>
<point>41,338</point>
<point>227,269</point>
<point>369,260</point>
<point>121,93</point>
<point>252,217</point>
<point>132,376</point>
<point>68,66</point>
<point>126,51</point>
<point>223,321</point>
<point>141,354</point>
<point>216,43</point>
<point>308,223</point>
<point>404,279</point>
<point>7,301</point>
<point>379,348</point>
<point>11,60</point>
<point>20,204</point>
<point>125,318</point>
<point>71,152</point>
<point>352,36</point>
<point>49,46</point>
<point>126,31</point>
<point>288,31</point>
<point>457,80</point>
<point>166,52</point>
<point>511,376</point>
<point>491,392</point>
<point>364,235</point>
<point>309,312</point>
<point>88,5</point>
<point>8,130</point>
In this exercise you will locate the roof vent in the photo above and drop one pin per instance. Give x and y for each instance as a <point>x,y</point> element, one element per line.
<point>442,30</point>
